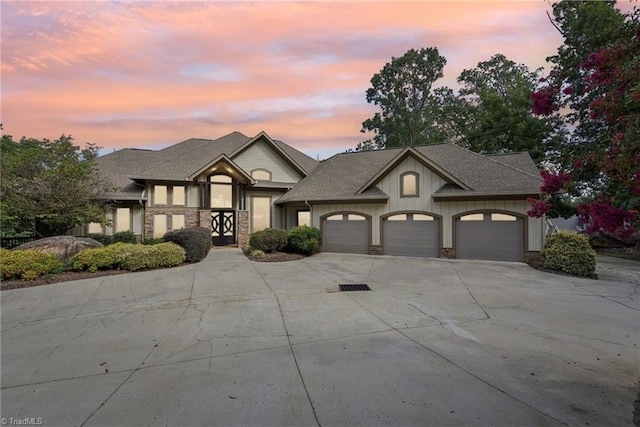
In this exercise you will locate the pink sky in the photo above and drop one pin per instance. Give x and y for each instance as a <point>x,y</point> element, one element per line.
<point>150,74</point>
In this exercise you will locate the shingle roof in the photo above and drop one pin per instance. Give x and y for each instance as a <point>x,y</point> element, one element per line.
<point>352,175</point>
<point>115,168</point>
<point>179,162</point>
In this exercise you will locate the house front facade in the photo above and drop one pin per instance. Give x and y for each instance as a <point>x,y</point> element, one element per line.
<point>430,201</point>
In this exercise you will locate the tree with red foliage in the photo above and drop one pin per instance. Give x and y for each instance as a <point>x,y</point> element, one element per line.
<point>605,155</point>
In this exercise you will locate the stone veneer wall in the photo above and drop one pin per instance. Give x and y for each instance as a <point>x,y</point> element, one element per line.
<point>243,229</point>
<point>204,219</point>
<point>191,218</point>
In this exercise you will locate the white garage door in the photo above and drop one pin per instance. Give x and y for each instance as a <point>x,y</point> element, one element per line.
<point>349,233</point>
<point>492,236</point>
<point>411,235</point>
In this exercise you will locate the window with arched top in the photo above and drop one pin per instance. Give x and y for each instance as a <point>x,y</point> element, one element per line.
<point>221,195</point>
<point>409,184</point>
<point>261,175</point>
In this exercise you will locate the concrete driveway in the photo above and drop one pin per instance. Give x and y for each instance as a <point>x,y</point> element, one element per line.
<point>233,342</point>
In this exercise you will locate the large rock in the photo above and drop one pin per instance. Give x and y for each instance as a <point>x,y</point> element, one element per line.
<point>64,247</point>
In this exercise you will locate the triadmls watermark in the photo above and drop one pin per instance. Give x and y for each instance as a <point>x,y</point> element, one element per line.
<point>22,421</point>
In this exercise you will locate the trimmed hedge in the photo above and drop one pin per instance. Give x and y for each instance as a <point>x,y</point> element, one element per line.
<point>27,264</point>
<point>304,240</point>
<point>96,259</point>
<point>129,256</point>
<point>102,238</point>
<point>196,241</point>
<point>569,252</point>
<point>268,240</point>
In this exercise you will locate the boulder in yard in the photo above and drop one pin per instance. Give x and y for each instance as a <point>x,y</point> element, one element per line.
<point>63,247</point>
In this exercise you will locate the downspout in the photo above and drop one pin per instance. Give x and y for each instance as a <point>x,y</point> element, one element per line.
<point>144,190</point>
<point>310,212</point>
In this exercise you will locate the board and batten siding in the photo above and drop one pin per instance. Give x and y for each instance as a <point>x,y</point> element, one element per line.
<point>429,182</point>
<point>262,156</point>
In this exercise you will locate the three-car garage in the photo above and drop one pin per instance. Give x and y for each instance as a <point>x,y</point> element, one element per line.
<point>477,235</point>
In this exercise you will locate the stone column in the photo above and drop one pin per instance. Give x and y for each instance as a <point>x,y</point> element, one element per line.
<point>243,229</point>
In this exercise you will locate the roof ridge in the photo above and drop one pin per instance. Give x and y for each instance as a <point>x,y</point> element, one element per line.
<point>488,157</point>
<point>205,142</point>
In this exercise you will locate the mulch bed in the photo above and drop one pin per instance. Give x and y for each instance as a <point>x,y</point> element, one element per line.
<point>276,257</point>
<point>69,276</point>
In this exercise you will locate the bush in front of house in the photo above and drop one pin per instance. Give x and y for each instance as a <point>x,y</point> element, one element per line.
<point>27,264</point>
<point>304,240</point>
<point>141,257</point>
<point>569,252</point>
<point>124,237</point>
<point>269,240</point>
<point>257,254</point>
<point>196,241</point>
<point>93,260</point>
<point>153,241</point>
<point>129,256</point>
<point>102,238</point>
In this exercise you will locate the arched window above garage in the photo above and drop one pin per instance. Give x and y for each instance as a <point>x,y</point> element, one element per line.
<point>409,184</point>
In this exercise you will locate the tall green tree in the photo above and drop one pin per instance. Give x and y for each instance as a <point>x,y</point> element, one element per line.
<point>492,113</point>
<point>49,186</point>
<point>404,91</point>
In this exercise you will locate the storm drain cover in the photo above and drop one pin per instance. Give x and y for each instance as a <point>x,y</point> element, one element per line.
<point>357,287</point>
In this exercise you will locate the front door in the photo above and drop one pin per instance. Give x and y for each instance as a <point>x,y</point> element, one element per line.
<point>223,227</point>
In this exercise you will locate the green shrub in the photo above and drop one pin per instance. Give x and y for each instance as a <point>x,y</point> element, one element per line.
<point>268,240</point>
<point>570,253</point>
<point>196,241</point>
<point>102,238</point>
<point>152,241</point>
<point>257,253</point>
<point>125,237</point>
<point>96,259</point>
<point>129,256</point>
<point>27,264</point>
<point>141,257</point>
<point>304,240</point>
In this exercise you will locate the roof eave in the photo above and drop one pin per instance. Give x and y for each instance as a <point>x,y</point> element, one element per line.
<point>336,200</point>
<point>484,195</point>
<point>272,143</point>
<point>423,159</point>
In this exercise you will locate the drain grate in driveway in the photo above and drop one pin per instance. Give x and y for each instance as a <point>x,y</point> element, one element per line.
<point>358,287</point>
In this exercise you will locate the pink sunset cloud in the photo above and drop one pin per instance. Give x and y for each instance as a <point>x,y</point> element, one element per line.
<point>149,74</point>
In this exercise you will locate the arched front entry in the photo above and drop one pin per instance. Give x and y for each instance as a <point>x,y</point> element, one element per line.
<point>491,235</point>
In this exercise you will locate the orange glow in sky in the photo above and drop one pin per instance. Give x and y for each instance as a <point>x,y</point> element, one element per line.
<point>149,74</point>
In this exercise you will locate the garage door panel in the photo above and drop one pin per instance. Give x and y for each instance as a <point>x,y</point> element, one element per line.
<point>492,240</point>
<point>346,236</point>
<point>411,238</point>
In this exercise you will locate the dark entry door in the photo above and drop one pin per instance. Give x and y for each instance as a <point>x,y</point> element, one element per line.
<point>223,227</point>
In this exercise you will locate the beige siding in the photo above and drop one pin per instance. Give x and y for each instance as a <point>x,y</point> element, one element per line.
<point>261,156</point>
<point>429,182</point>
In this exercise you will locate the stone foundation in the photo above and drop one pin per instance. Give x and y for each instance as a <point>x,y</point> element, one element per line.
<point>449,253</point>
<point>376,250</point>
<point>532,257</point>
